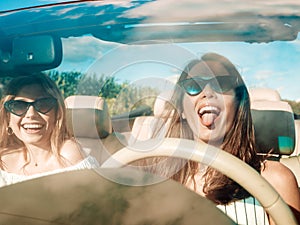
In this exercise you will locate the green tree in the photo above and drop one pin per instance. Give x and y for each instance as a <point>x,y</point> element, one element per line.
<point>295,106</point>
<point>131,98</point>
<point>67,82</point>
<point>110,88</point>
<point>71,83</point>
<point>90,85</point>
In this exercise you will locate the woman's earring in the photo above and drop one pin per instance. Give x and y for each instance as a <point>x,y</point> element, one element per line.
<point>10,131</point>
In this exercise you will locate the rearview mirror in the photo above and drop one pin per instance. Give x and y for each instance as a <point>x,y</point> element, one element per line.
<point>32,54</point>
<point>36,52</point>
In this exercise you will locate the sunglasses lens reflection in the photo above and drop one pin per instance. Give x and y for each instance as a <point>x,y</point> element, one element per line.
<point>191,87</point>
<point>220,84</point>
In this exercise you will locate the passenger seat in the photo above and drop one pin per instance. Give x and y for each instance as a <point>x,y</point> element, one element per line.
<point>89,121</point>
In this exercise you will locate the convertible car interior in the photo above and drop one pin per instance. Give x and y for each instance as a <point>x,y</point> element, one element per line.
<point>143,45</point>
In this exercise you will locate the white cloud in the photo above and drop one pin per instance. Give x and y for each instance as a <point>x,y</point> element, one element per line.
<point>263,75</point>
<point>77,49</point>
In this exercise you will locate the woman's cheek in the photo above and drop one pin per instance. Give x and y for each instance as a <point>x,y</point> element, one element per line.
<point>230,109</point>
<point>14,124</point>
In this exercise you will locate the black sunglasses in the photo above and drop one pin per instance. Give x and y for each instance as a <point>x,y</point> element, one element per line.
<point>221,84</point>
<point>20,107</point>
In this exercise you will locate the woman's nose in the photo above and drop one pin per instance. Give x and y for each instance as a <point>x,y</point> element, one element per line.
<point>207,92</point>
<point>31,112</point>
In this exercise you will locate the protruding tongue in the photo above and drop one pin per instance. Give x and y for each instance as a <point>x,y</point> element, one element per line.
<point>208,119</point>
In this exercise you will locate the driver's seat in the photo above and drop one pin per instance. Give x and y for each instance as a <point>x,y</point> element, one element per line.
<point>274,126</point>
<point>273,121</point>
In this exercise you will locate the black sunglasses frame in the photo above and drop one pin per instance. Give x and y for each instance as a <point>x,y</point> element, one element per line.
<point>195,85</point>
<point>51,103</point>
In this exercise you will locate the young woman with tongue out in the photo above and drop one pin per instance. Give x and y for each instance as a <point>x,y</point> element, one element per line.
<point>211,103</point>
<point>35,140</point>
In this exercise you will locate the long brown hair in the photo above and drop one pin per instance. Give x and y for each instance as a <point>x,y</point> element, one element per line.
<point>9,142</point>
<point>239,140</point>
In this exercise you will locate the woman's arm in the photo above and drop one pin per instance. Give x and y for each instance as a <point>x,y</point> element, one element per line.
<point>285,183</point>
<point>72,152</point>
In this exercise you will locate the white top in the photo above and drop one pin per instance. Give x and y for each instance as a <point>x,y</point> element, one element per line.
<point>246,211</point>
<point>7,178</point>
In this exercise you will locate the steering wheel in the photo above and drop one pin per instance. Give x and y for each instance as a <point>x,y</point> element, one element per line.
<point>218,159</point>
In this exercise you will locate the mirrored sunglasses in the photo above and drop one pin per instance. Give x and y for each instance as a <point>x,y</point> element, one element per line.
<point>221,84</point>
<point>20,107</point>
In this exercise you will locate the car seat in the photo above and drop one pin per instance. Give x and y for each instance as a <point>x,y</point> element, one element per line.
<point>144,127</point>
<point>274,127</point>
<point>273,122</point>
<point>89,121</point>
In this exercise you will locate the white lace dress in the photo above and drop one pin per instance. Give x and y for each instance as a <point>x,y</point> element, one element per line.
<point>7,178</point>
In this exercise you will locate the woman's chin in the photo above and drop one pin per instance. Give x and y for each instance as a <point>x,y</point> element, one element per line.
<point>212,137</point>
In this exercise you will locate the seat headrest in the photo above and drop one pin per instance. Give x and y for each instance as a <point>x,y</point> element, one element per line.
<point>273,121</point>
<point>88,116</point>
<point>259,94</point>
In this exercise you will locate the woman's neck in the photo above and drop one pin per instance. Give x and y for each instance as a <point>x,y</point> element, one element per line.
<point>216,143</point>
<point>196,181</point>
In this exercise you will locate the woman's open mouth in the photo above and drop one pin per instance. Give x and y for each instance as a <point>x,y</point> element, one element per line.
<point>32,127</point>
<point>208,115</point>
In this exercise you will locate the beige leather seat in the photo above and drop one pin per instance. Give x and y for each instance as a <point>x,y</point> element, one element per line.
<point>275,127</point>
<point>273,122</point>
<point>89,120</point>
<point>297,129</point>
<point>144,126</point>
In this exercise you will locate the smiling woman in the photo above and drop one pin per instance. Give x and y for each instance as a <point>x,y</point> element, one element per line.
<point>35,138</point>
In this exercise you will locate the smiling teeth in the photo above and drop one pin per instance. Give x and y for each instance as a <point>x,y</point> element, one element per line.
<point>32,126</point>
<point>208,109</point>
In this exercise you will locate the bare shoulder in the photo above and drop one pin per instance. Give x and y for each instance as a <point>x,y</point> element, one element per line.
<point>11,159</point>
<point>72,151</point>
<point>277,173</point>
<point>284,182</point>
